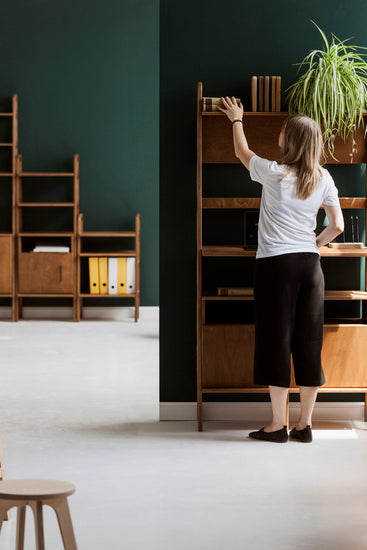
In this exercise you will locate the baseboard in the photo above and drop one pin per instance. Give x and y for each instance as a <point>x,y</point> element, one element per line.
<point>259,411</point>
<point>123,313</point>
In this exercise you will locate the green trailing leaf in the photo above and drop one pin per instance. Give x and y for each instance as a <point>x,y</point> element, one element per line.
<point>333,90</point>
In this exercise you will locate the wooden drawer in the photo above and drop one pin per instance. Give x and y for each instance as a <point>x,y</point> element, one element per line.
<point>228,356</point>
<point>344,356</point>
<point>45,273</point>
<point>6,270</point>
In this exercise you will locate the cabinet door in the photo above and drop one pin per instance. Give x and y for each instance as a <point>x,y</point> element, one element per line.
<point>5,264</point>
<point>228,356</point>
<point>45,273</point>
<point>344,354</point>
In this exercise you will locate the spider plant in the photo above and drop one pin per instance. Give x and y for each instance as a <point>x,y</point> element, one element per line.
<point>332,91</point>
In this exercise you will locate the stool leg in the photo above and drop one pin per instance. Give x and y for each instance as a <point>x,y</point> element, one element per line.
<point>20,527</point>
<point>38,524</point>
<point>62,511</point>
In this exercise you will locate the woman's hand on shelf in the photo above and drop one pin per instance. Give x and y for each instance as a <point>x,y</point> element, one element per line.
<point>232,110</point>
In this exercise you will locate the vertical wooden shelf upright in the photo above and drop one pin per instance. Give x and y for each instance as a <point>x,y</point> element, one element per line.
<point>7,239</point>
<point>46,274</point>
<point>85,250</point>
<point>225,350</point>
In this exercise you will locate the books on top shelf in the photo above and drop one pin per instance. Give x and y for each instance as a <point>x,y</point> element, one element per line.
<point>210,104</point>
<point>51,248</point>
<point>235,291</point>
<point>111,275</point>
<point>266,94</point>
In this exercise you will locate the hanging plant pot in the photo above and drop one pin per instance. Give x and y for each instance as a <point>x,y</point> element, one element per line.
<point>332,91</point>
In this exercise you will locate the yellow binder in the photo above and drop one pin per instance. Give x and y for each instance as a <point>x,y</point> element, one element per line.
<point>103,275</point>
<point>93,276</point>
<point>121,275</point>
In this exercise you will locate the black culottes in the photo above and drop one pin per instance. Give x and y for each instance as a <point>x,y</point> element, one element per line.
<point>289,318</point>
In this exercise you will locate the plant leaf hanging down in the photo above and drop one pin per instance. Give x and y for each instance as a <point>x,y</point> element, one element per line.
<point>332,91</point>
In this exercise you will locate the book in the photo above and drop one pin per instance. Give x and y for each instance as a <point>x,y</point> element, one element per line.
<point>254,94</point>
<point>273,88</point>
<point>278,98</point>
<point>260,86</point>
<point>266,93</point>
<point>51,248</point>
<point>210,104</point>
<point>346,245</point>
<point>235,291</point>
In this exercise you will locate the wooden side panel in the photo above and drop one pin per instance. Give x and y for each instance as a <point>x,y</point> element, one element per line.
<point>262,134</point>
<point>344,356</point>
<point>43,273</point>
<point>228,356</point>
<point>6,265</point>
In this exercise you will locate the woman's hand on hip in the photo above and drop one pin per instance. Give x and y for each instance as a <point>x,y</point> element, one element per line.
<point>232,110</point>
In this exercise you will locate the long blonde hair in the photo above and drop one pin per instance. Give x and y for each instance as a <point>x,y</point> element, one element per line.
<point>303,147</point>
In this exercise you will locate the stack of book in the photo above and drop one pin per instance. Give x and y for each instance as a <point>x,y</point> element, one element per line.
<point>266,94</point>
<point>210,104</point>
<point>112,275</point>
<point>51,248</point>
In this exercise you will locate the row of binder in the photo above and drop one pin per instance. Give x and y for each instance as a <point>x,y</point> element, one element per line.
<point>112,275</point>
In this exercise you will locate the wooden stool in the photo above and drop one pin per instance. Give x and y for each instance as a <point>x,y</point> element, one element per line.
<point>37,493</point>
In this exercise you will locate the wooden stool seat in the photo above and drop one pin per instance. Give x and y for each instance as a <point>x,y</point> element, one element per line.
<point>37,493</point>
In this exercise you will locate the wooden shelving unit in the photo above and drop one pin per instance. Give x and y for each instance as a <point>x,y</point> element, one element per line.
<point>28,274</point>
<point>225,350</point>
<point>109,238</point>
<point>7,240</point>
<point>46,274</point>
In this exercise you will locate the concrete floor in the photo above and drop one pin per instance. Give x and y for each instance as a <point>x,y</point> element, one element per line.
<point>79,402</point>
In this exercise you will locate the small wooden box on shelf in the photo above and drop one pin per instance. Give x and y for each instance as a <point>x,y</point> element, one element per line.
<point>107,244</point>
<point>225,350</point>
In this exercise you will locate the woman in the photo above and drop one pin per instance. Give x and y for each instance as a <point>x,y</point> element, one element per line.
<point>289,282</point>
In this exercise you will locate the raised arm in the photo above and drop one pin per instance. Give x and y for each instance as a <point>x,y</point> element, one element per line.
<point>336,225</point>
<point>235,114</point>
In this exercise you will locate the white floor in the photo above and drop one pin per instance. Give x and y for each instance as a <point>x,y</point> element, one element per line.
<point>79,402</point>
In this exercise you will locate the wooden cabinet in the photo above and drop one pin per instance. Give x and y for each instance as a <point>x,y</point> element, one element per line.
<point>45,273</point>
<point>225,345</point>
<point>6,264</point>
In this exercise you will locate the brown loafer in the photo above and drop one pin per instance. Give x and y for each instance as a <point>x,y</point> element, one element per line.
<point>279,436</point>
<point>304,435</point>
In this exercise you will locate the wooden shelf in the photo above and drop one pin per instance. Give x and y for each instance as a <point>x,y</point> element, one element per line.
<point>329,295</point>
<point>6,114</point>
<point>6,145</point>
<point>108,234</point>
<point>248,114</point>
<point>46,204</point>
<point>46,174</point>
<point>325,251</point>
<point>7,174</point>
<point>107,295</point>
<point>240,251</point>
<point>121,253</point>
<point>51,234</point>
<point>217,203</point>
<point>292,390</point>
<point>42,295</point>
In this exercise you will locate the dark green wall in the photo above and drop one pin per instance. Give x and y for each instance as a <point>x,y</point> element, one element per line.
<point>87,76</point>
<point>222,45</point>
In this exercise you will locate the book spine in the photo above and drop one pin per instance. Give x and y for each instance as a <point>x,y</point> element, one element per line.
<point>266,93</point>
<point>260,85</point>
<point>210,104</point>
<point>273,93</point>
<point>278,94</point>
<point>254,94</point>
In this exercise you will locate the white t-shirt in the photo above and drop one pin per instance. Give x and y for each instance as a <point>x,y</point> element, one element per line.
<point>286,223</point>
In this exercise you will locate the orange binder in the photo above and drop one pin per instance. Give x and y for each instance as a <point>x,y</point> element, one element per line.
<point>93,276</point>
<point>121,276</point>
<point>103,275</point>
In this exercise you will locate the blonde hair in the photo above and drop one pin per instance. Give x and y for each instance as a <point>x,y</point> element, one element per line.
<point>303,147</point>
